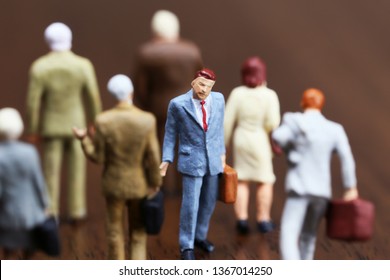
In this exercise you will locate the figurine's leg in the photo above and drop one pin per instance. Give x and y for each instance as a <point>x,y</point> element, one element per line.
<point>315,213</point>
<point>137,233</point>
<point>242,201</point>
<point>264,196</point>
<point>293,216</point>
<point>114,228</point>
<point>189,210</point>
<point>77,207</point>
<point>207,200</point>
<point>52,157</point>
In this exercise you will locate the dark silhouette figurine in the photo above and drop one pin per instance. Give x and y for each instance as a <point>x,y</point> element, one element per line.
<point>165,67</point>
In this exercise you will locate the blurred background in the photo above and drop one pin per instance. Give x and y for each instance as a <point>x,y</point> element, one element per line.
<point>341,47</point>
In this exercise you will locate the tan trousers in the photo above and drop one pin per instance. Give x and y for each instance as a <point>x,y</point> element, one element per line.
<point>53,151</point>
<point>115,229</point>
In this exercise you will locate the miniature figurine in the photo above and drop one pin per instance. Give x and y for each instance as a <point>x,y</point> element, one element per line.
<point>165,66</point>
<point>59,81</point>
<point>252,112</point>
<point>125,142</point>
<point>23,193</point>
<point>309,140</point>
<point>196,120</point>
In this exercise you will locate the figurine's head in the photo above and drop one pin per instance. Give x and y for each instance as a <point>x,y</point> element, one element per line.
<point>203,83</point>
<point>11,124</point>
<point>253,72</point>
<point>121,87</point>
<point>59,37</point>
<point>312,98</point>
<point>165,25</point>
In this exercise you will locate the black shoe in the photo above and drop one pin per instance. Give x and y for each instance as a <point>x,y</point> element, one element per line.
<point>205,245</point>
<point>265,226</point>
<point>187,254</point>
<point>242,226</point>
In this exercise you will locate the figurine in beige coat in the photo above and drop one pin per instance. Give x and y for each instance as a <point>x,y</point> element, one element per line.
<point>58,83</point>
<point>125,142</point>
<point>252,112</point>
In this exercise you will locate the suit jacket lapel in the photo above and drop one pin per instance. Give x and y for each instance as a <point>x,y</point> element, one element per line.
<point>189,107</point>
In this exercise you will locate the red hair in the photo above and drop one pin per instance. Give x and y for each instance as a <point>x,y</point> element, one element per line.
<point>253,72</point>
<point>312,98</point>
<point>206,73</point>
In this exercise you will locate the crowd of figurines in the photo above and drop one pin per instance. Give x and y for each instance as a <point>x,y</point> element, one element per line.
<point>193,122</point>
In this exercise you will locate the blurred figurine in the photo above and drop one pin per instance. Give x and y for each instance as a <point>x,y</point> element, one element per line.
<point>23,194</point>
<point>59,81</point>
<point>195,119</point>
<point>125,142</point>
<point>309,140</point>
<point>165,66</point>
<point>252,112</point>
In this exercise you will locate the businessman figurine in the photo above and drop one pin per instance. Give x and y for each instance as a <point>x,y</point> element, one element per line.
<point>195,119</point>
<point>58,82</point>
<point>125,142</point>
<point>309,140</point>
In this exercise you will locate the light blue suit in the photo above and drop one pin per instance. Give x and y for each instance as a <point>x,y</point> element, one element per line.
<point>309,140</point>
<point>199,161</point>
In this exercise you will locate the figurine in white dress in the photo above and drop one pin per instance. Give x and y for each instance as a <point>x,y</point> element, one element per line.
<point>252,113</point>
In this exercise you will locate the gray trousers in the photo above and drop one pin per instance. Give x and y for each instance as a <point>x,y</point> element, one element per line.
<point>300,220</point>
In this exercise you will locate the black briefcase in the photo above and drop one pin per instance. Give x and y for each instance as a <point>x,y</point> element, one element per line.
<point>152,209</point>
<point>46,237</point>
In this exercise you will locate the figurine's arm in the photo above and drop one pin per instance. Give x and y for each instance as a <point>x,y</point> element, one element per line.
<point>284,134</point>
<point>272,119</point>
<point>343,149</point>
<point>171,132</point>
<point>230,117</point>
<point>152,159</point>
<point>34,101</point>
<point>91,91</point>
<point>39,181</point>
<point>93,149</point>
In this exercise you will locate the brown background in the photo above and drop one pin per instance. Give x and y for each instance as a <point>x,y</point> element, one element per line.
<point>339,46</point>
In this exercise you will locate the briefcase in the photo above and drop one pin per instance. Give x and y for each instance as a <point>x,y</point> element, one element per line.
<point>228,185</point>
<point>46,236</point>
<point>152,211</point>
<point>350,220</point>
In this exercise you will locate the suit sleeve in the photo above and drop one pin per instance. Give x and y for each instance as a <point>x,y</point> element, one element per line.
<point>91,91</point>
<point>94,149</point>
<point>152,158</point>
<point>343,149</point>
<point>34,99</point>
<point>284,134</point>
<point>38,180</point>
<point>170,136</point>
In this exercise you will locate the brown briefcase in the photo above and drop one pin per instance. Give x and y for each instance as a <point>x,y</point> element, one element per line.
<point>228,185</point>
<point>350,220</point>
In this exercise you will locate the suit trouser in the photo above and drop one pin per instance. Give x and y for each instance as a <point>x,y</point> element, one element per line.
<point>115,229</point>
<point>300,221</point>
<point>198,203</point>
<point>53,151</point>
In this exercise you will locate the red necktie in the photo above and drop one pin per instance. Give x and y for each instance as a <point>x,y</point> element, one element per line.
<point>204,115</point>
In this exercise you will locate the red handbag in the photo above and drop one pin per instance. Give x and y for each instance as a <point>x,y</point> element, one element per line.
<point>350,220</point>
